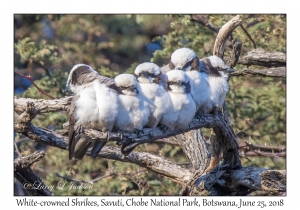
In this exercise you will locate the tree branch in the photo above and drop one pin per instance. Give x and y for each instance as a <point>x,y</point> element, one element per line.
<point>201,19</point>
<point>29,180</point>
<point>30,79</point>
<point>239,182</point>
<point>261,57</point>
<point>223,34</point>
<point>235,54</point>
<point>43,106</point>
<point>246,32</point>
<point>270,72</point>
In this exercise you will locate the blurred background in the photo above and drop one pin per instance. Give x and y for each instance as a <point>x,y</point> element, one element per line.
<point>48,46</point>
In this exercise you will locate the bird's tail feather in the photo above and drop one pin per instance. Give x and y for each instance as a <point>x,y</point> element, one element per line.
<point>97,148</point>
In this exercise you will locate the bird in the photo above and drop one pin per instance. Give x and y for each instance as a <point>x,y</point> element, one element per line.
<point>183,106</point>
<point>134,107</point>
<point>150,78</point>
<point>186,60</point>
<point>89,109</point>
<point>218,73</point>
<point>209,77</point>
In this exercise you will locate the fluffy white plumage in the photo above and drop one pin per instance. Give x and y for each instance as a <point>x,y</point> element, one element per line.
<point>183,106</point>
<point>200,90</point>
<point>200,87</point>
<point>208,80</point>
<point>89,109</point>
<point>134,110</point>
<point>97,106</point>
<point>218,84</point>
<point>181,57</point>
<point>149,77</point>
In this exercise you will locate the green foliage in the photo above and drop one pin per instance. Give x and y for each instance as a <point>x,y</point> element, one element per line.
<point>30,52</point>
<point>113,44</point>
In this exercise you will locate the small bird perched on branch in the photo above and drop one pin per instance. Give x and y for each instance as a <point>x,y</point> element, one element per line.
<point>183,106</point>
<point>218,73</point>
<point>89,109</point>
<point>134,107</point>
<point>208,77</point>
<point>150,79</point>
<point>186,60</point>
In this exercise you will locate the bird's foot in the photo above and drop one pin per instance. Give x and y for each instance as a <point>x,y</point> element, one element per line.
<point>163,128</point>
<point>121,134</point>
<point>138,132</point>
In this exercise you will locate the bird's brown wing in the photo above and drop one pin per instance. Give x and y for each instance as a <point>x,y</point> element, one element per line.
<point>73,135</point>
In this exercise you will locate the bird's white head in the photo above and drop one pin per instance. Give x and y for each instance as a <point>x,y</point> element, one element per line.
<point>218,63</point>
<point>80,74</point>
<point>126,84</point>
<point>184,59</point>
<point>178,82</point>
<point>148,73</point>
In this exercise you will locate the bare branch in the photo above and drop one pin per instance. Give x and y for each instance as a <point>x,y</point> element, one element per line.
<point>30,79</point>
<point>261,57</point>
<point>223,34</point>
<point>270,72</point>
<point>201,19</point>
<point>43,67</point>
<point>43,106</point>
<point>29,180</point>
<point>235,54</point>
<point>246,32</point>
<point>239,182</point>
<point>258,20</point>
<point>264,154</point>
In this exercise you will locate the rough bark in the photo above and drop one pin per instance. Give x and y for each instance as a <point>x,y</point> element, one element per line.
<point>223,34</point>
<point>270,72</point>
<point>261,57</point>
<point>43,106</point>
<point>221,182</point>
<point>195,148</point>
<point>152,162</point>
<point>29,180</point>
<point>235,54</point>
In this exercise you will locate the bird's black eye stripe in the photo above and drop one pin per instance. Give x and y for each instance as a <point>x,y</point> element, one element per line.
<point>187,64</point>
<point>172,83</point>
<point>171,65</point>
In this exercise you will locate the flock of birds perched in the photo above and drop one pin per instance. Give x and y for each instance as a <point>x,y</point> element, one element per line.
<point>169,97</point>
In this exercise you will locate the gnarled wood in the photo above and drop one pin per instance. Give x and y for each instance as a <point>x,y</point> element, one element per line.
<point>221,182</point>
<point>270,72</point>
<point>223,34</point>
<point>29,180</point>
<point>261,57</point>
<point>43,106</point>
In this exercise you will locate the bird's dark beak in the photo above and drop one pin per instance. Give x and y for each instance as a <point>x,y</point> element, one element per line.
<point>229,70</point>
<point>67,89</point>
<point>158,79</point>
<point>131,87</point>
<point>187,87</point>
<point>145,74</point>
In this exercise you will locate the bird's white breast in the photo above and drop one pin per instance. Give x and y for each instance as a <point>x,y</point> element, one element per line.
<point>219,88</point>
<point>200,89</point>
<point>97,106</point>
